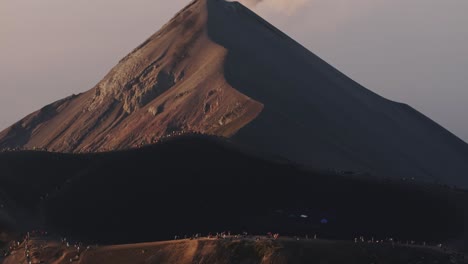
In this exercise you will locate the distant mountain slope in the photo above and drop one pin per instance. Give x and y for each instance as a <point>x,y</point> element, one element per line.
<point>218,68</point>
<point>199,184</point>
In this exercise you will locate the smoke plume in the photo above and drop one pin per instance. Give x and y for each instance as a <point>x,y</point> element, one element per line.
<point>280,6</point>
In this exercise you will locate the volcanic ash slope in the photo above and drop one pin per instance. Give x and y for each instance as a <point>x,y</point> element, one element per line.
<point>218,68</point>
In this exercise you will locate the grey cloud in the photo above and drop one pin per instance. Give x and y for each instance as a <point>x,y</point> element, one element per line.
<point>278,6</point>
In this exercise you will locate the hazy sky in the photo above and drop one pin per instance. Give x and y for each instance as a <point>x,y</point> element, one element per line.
<point>413,51</point>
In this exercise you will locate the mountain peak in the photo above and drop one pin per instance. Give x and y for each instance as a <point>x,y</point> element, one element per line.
<point>218,68</point>
<point>172,82</point>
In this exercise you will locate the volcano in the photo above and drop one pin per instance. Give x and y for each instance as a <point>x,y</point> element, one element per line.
<point>217,68</point>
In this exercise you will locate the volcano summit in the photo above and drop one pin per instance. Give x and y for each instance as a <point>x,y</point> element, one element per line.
<point>217,68</point>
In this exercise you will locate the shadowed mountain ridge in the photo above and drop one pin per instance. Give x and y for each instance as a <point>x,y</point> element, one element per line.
<point>218,68</point>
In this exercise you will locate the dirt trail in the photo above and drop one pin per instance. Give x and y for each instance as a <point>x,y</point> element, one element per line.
<point>232,250</point>
<point>181,251</point>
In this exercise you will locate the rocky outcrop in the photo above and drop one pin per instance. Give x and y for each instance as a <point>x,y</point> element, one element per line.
<point>173,82</point>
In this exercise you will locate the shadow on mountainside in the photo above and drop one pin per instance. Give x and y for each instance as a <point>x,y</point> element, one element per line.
<point>199,184</point>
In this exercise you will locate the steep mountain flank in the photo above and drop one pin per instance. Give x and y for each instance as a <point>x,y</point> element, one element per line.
<point>172,82</point>
<point>316,115</point>
<point>218,68</point>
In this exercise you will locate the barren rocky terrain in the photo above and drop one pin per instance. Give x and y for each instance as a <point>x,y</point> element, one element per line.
<point>218,68</point>
<point>233,250</point>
